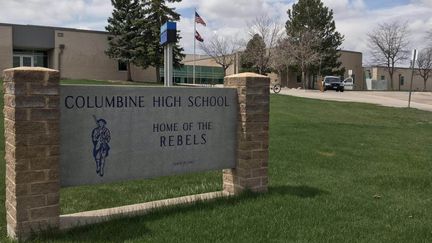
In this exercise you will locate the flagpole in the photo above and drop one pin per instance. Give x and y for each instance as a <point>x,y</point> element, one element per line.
<point>194,20</point>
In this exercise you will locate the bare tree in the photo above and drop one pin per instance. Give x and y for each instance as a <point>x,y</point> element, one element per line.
<point>424,63</point>
<point>222,50</point>
<point>271,31</point>
<point>281,59</point>
<point>301,51</point>
<point>388,44</point>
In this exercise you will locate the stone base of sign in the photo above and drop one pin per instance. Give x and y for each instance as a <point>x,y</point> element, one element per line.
<point>32,152</point>
<point>99,216</point>
<point>32,148</point>
<point>251,172</point>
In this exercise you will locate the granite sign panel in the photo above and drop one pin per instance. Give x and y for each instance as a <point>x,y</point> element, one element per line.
<point>111,133</point>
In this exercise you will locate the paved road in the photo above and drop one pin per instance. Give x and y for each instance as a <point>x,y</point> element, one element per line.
<point>420,100</point>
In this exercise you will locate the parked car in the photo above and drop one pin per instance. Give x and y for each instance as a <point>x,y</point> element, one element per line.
<point>348,84</point>
<point>334,83</point>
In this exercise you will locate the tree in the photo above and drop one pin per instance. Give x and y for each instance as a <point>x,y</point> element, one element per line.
<point>424,63</point>
<point>302,52</point>
<point>282,58</point>
<point>221,50</point>
<point>312,17</point>
<point>156,13</point>
<point>126,44</point>
<point>254,57</point>
<point>388,43</point>
<point>265,33</point>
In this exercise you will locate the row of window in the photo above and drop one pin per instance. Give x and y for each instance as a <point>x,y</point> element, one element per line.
<point>179,80</point>
<point>203,74</point>
<point>401,79</point>
<point>26,58</point>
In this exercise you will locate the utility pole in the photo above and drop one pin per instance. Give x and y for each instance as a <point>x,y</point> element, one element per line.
<point>413,61</point>
<point>400,81</point>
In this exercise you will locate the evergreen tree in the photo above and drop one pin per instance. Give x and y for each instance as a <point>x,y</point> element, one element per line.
<point>156,13</point>
<point>313,17</point>
<point>127,44</point>
<point>254,57</point>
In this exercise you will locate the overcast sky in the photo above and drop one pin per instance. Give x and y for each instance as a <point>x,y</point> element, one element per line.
<point>354,18</point>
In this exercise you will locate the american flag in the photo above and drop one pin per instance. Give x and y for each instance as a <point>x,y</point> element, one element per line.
<point>198,37</point>
<point>199,20</point>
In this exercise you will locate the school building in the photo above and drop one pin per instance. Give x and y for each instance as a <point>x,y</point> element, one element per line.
<point>350,60</point>
<point>378,78</point>
<point>80,54</point>
<point>77,54</point>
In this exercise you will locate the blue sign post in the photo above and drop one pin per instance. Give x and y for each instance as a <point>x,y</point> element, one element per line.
<point>168,38</point>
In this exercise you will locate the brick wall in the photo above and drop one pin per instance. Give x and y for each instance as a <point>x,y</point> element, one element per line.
<point>32,147</point>
<point>32,136</point>
<point>251,172</point>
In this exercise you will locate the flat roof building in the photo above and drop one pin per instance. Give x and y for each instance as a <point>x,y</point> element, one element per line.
<point>351,60</point>
<point>401,79</point>
<point>80,54</point>
<point>77,54</point>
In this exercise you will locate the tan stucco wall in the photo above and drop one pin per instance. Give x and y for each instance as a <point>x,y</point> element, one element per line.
<point>6,49</point>
<point>418,82</point>
<point>353,61</point>
<point>84,58</point>
<point>350,61</point>
<point>210,62</point>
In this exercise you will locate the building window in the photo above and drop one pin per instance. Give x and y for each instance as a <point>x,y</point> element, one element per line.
<point>382,77</point>
<point>27,61</point>
<point>16,61</point>
<point>29,58</point>
<point>402,80</point>
<point>60,34</point>
<point>203,75</point>
<point>369,74</point>
<point>122,66</point>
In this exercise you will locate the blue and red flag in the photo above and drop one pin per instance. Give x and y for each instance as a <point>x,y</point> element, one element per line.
<point>198,37</point>
<point>199,20</point>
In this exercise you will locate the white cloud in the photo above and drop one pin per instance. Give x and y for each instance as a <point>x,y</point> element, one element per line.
<point>229,18</point>
<point>423,2</point>
<point>42,12</point>
<point>356,27</point>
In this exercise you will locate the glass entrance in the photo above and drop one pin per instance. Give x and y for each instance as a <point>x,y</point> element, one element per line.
<point>30,59</point>
<point>23,61</point>
<point>27,61</point>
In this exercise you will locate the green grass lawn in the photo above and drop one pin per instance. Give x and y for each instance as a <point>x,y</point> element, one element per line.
<point>339,172</point>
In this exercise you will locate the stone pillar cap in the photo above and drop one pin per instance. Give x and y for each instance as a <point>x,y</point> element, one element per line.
<point>33,69</point>
<point>247,75</point>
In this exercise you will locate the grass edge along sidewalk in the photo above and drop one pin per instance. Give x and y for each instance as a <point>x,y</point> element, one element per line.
<point>339,173</point>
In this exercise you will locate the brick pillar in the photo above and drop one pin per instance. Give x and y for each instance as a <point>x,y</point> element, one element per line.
<point>253,134</point>
<point>32,140</point>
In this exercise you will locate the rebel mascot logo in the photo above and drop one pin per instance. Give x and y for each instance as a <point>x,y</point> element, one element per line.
<point>101,136</point>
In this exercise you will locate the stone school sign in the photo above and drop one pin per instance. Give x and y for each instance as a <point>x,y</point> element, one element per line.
<point>113,133</point>
<point>71,135</point>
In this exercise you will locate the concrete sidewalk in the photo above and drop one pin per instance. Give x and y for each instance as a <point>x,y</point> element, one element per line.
<point>420,100</point>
